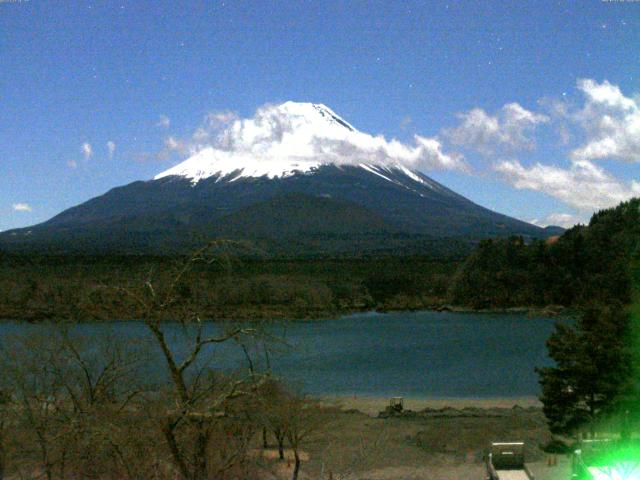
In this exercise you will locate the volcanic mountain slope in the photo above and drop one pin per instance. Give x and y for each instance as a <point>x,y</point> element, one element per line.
<point>277,194</point>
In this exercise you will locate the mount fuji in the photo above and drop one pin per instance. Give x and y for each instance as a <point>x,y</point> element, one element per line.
<point>294,179</point>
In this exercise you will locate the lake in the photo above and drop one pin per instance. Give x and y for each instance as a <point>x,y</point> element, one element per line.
<point>415,354</point>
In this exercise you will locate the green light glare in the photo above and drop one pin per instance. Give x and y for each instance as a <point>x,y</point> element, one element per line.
<point>621,471</point>
<point>616,461</point>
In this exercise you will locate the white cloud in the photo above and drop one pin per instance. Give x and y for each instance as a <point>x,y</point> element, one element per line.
<point>22,207</point>
<point>302,132</point>
<point>86,150</point>
<point>173,144</point>
<point>111,147</point>
<point>163,122</point>
<point>224,117</point>
<point>510,129</point>
<point>605,94</point>
<point>424,153</point>
<point>566,220</point>
<point>611,121</point>
<point>214,123</point>
<point>583,185</point>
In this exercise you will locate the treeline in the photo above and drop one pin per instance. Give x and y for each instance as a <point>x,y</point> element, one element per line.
<point>586,265</point>
<point>81,288</point>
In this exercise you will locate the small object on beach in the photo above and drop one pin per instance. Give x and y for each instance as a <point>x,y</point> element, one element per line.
<point>394,409</point>
<point>396,403</point>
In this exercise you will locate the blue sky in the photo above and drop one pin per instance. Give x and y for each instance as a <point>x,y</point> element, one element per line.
<point>91,91</point>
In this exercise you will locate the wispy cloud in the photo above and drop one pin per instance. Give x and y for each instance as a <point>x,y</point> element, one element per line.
<point>566,220</point>
<point>511,129</point>
<point>163,122</point>
<point>111,148</point>
<point>72,164</point>
<point>86,150</point>
<point>22,207</point>
<point>406,121</point>
<point>173,144</point>
<point>583,185</point>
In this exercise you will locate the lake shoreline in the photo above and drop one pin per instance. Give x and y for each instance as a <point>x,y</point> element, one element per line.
<point>531,312</point>
<point>372,405</point>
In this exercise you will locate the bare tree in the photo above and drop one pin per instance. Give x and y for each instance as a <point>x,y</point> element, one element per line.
<point>305,418</point>
<point>101,379</point>
<point>65,395</point>
<point>28,374</point>
<point>273,411</point>
<point>198,399</point>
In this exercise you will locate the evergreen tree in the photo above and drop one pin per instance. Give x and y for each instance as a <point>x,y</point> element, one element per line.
<point>593,370</point>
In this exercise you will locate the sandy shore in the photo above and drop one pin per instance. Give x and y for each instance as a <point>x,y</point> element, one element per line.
<point>450,446</point>
<point>373,405</point>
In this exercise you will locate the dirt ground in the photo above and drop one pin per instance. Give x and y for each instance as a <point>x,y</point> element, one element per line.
<point>447,441</point>
<point>372,405</point>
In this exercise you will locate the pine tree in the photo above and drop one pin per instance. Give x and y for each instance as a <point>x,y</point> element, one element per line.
<point>593,370</point>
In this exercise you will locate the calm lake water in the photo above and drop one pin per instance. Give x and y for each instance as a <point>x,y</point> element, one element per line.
<point>413,354</point>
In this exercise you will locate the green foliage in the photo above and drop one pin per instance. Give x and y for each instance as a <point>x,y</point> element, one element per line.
<point>75,287</point>
<point>593,369</point>
<point>586,264</point>
<point>556,446</point>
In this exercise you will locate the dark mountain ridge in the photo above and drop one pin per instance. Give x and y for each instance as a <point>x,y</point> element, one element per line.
<point>174,214</point>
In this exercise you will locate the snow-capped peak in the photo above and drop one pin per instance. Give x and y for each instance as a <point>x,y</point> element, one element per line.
<point>293,137</point>
<point>277,142</point>
<point>210,162</point>
<point>329,115</point>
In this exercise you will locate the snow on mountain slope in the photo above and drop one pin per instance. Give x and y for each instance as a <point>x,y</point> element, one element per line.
<point>282,140</point>
<point>210,162</point>
<point>402,176</point>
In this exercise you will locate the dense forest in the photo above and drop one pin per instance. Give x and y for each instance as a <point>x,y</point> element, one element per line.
<point>81,287</point>
<point>586,265</point>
